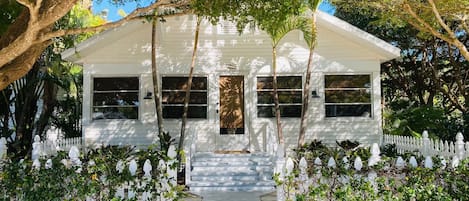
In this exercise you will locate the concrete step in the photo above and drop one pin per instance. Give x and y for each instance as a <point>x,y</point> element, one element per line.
<point>233,183</point>
<point>231,168</point>
<point>226,178</point>
<point>231,172</point>
<point>232,189</point>
<point>231,163</point>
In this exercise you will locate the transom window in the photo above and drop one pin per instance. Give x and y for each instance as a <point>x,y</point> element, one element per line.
<point>289,93</point>
<point>348,95</point>
<point>115,98</point>
<point>174,93</point>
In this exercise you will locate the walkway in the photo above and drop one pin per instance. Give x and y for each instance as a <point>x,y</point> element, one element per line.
<point>232,196</point>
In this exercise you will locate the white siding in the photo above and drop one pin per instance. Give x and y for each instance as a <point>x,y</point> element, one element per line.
<point>250,53</point>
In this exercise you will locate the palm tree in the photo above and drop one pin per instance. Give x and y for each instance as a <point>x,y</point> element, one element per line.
<point>154,68</point>
<point>313,6</point>
<point>276,31</point>
<point>189,86</point>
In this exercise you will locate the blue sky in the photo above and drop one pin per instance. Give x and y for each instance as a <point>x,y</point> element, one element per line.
<point>129,7</point>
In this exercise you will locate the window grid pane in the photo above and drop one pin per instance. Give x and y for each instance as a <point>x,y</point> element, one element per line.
<point>174,93</point>
<point>290,94</point>
<point>348,95</point>
<point>115,98</point>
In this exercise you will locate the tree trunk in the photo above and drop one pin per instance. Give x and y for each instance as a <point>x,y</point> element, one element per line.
<point>276,101</point>
<point>49,99</point>
<point>188,89</point>
<point>155,74</point>
<point>307,86</point>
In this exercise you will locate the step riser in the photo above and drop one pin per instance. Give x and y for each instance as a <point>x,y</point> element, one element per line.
<point>233,189</point>
<point>232,169</point>
<point>230,163</point>
<point>225,178</point>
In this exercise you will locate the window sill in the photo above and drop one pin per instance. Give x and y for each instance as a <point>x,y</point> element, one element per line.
<point>115,121</point>
<point>350,119</point>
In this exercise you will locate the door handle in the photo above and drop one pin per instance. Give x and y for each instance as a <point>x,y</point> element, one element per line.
<point>217,111</point>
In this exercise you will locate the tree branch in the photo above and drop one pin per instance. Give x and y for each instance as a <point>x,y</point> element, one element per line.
<point>26,3</point>
<point>422,25</point>
<point>64,32</point>
<point>55,12</point>
<point>440,20</point>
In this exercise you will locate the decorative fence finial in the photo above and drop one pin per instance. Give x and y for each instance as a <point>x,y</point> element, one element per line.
<point>133,167</point>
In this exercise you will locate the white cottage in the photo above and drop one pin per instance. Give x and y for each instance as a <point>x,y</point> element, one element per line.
<point>231,106</point>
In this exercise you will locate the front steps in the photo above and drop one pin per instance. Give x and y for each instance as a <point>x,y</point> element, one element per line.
<point>231,172</point>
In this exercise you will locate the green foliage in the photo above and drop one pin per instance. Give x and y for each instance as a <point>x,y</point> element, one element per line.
<point>414,120</point>
<point>98,177</point>
<point>9,10</point>
<point>268,13</point>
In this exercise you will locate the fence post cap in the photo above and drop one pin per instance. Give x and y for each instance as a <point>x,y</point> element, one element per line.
<point>147,168</point>
<point>133,167</point>
<point>413,161</point>
<point>331,163</point>
<point>37,138</point>
<point>303,163</point>
<point>317,161</point>
<point>358,164</point>
<point>400,163</point>
<point>425,134</point>
<point>459,137</point>
<point>172,151</point>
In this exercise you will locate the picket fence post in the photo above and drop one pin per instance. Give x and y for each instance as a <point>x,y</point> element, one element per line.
<point>280,170</point>
<point>460,151</point>
<point>36,153</point>
<point>425,144</point>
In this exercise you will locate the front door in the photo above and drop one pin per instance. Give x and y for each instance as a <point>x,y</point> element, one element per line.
<point>232,134</point>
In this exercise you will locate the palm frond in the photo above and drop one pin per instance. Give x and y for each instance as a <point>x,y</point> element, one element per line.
<point>280,29</point>
<point>314,4</point>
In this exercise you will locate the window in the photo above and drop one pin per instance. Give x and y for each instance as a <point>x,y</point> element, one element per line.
<point>115,98</point>
<point>290,96</point>
<point>174,93</point>
<point>348,95</point>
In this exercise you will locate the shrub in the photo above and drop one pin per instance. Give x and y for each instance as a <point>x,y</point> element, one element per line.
<point>95,176</point>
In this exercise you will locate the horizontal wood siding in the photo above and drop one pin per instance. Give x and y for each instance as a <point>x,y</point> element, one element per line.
<point>250,54</point>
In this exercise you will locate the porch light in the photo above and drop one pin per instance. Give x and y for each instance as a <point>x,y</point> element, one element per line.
<point>314,94</point>
<point>148,96</point>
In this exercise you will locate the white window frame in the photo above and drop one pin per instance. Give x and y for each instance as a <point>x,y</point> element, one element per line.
<point>370,88</point>
<point>279,90</point>
<point>138,91</point>
<point>206,105</point>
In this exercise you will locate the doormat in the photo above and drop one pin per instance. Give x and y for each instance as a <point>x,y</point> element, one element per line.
<point>232,152</point>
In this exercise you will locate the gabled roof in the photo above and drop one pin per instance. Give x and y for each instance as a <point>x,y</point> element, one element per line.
<point>382,49</point>
<point>364,38</point>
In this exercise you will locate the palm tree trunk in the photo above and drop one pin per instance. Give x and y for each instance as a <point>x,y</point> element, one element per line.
<point>276,101</point>
<point>189,86</point>
<point>307,86</point>
<point>154,68</point>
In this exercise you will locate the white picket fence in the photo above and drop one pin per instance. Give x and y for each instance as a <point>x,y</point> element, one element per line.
<point>285,166</point>
<point>49,147</point>
<point>429,147</point>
